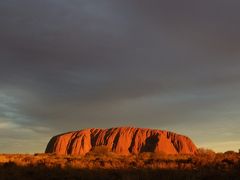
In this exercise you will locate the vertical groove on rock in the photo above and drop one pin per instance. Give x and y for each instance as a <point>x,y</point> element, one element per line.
<point>130,149</point>
<point>115,141</point>
<point>69,148</point>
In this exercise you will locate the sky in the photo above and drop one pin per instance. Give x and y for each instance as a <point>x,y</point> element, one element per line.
<point>68,65</point>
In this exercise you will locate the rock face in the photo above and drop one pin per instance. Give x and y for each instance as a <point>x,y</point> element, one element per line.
<point>122,140</point>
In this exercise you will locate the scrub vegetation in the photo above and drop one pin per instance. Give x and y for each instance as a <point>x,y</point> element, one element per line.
<point>100,163</point>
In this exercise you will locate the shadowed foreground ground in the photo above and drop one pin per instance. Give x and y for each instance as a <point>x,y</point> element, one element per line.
<point>40,172</point>
<point>105,165</point>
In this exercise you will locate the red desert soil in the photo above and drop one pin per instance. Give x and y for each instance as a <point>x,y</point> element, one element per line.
<point>122,140</point>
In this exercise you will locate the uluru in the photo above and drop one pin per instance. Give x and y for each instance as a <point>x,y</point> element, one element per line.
<point>121,140</point>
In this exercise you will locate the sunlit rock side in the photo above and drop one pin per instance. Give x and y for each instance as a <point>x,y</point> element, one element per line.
<point>122,140</point>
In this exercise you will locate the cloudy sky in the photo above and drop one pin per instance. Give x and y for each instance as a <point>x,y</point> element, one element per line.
<point>69,64</point>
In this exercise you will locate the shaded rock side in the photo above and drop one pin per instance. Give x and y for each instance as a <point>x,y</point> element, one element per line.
<point>123,140</point>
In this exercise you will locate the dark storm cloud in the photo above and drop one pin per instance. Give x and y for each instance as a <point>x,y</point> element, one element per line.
<point>78,62</point>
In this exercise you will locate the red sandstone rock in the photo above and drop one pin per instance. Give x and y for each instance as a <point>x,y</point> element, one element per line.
<point>123,140</point>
